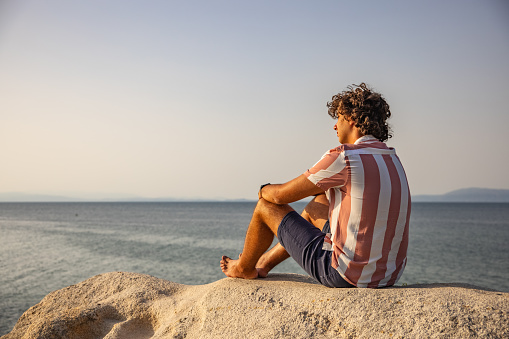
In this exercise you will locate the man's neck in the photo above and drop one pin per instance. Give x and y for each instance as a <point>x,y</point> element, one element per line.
<point>354,136</point>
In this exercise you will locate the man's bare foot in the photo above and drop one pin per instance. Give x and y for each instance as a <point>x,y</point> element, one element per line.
<point>232,269</point>
<point>262,267</point>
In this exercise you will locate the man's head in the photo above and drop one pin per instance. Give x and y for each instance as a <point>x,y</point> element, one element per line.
<point>368,110</point>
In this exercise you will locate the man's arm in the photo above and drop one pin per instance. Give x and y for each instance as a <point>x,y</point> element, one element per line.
<point>291,191</point>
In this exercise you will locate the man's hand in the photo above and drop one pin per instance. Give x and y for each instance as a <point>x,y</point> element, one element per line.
<point>260,190</point>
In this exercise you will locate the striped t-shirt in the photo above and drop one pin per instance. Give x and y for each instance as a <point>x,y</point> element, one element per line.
<point>369,211</point>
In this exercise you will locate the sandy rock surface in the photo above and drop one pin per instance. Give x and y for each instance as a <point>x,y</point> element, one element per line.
<point>129,305</point>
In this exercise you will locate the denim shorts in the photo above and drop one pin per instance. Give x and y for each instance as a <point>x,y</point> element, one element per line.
<point>304,242</point>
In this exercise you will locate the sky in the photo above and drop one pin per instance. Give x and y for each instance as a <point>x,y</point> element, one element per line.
<point>210,99</point>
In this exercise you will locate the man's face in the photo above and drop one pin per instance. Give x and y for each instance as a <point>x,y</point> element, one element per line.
<point>343,129</point>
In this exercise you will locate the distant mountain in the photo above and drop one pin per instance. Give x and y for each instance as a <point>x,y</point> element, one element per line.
<point>461,195</point>
<point>472,194</point>
<point>26,197</point>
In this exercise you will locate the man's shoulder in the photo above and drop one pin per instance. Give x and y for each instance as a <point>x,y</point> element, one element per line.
<point>368,147</point>
<point>337,149</point>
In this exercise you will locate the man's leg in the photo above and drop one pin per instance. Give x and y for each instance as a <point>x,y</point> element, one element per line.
<point>260,233</point>
<point>316,212</point>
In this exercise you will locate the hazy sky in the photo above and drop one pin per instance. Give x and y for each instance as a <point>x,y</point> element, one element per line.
<point>213,98</point>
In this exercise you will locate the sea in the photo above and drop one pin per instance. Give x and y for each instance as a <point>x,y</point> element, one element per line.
<point>48,246</point>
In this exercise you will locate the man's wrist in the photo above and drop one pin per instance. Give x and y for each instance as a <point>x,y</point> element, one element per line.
<point>260,191</point>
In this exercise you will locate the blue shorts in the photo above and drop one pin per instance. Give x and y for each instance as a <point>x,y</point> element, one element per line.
<point>304,242</point>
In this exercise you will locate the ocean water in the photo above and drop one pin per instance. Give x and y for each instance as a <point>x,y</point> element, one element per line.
<point>48,246</point>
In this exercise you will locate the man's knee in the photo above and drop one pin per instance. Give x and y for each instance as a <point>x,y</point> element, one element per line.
<point>271,214</point>
<point>317,211</point>
<point>265,207</point>
<point>321,199</point>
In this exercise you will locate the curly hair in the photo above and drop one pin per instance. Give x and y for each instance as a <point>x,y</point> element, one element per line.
<point>366,108</point>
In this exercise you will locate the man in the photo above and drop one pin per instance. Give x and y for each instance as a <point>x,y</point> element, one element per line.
<point>355,230</point>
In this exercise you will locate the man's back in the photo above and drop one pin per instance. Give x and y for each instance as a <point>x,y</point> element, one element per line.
<point>369,209</point>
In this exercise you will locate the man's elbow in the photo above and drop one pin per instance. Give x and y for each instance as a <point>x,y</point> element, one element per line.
<point>278,198</point>
<point>279,201</point>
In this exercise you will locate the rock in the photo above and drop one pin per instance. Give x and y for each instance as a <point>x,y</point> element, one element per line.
<point>129,305</point>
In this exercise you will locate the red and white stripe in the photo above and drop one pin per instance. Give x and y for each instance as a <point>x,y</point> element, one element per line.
<point>369,211</point>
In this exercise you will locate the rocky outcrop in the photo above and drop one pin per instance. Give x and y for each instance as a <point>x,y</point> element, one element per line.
<point>129,305</point>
